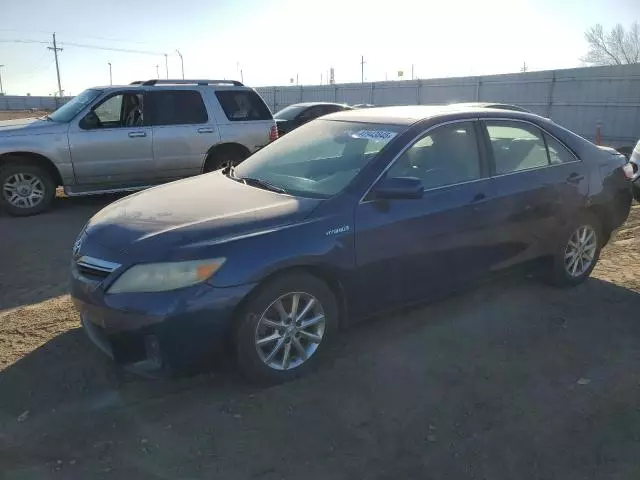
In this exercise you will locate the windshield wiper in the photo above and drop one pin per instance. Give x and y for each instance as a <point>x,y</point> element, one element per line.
<point>256,182</point>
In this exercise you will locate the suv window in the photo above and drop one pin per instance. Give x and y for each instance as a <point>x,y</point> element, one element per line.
<point>177,107</point>
<point>243,105</point>
<point>558,153</point>
<point>516,146</point>
<point>120,110</point>
<point>446,156</point>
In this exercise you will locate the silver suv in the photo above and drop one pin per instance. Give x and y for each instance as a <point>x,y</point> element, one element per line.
<point>126,138</point>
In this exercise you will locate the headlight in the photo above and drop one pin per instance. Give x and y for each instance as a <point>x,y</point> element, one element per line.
<point>160,277</point>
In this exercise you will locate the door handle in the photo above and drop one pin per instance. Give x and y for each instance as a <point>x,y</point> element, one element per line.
<point>205,130</point>
<point>575,178</point>
<point>137,134</point>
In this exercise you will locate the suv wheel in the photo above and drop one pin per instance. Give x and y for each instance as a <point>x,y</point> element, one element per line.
<point>285,327</point>
<point>579,251</point>
<point>223,158</point>
<point>26,189</point>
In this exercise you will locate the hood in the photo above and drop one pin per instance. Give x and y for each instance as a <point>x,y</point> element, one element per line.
<point>178,215</point>
<point>29,126</point>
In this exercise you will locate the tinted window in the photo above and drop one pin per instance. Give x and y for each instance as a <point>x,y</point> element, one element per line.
<point>177,107</point>
<point>120,110</point>
<point>289,113</point>
<point>516,146</point>
<point>311,113</point>
<point>447,155</point>
<point>558,153</point>
<point>318,159</point>
<point>243,105</point>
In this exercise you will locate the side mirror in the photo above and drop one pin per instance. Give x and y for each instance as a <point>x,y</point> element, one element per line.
<point>89,121</point>
<point>408,188</point>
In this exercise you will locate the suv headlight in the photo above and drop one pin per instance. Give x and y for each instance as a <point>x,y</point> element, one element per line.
<point>160,277</point>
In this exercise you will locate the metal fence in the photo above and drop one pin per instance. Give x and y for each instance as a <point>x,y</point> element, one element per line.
<point>14,102</point>
<point>579,98</point>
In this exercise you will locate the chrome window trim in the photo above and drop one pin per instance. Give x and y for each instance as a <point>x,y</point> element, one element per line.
<point>97,264</point>
<point>409,145</point>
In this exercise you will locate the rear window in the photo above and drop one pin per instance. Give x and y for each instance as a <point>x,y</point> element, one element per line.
<point>243,105</point>
<point>177,107</point>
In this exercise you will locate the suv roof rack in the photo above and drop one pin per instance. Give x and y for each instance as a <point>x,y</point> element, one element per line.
<point>156,81</point>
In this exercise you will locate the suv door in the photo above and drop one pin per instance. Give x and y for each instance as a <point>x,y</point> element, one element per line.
<point>242,117</point>
<point>535,189</point>
<point>411,249</point>
<point>183,132</point>
<point>111,145</point>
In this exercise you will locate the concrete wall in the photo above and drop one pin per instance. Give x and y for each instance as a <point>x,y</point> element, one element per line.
<point>14,102</point>
<point>576,98</point>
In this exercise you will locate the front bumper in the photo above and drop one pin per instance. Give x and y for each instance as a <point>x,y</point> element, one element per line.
<point>166,329</point>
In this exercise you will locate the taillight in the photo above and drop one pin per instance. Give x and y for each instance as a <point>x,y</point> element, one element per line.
<point>273,133</point>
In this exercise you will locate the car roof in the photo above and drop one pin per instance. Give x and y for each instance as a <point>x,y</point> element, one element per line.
<point>498,105</point>
<point>313,104</point>
<point>410,114</point>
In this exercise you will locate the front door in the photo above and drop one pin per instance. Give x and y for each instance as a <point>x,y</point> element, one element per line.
<point>112,145</point>
<point>408,250</point>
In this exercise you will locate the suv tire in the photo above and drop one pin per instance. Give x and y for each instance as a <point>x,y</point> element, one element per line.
<point>223,157</point>
<point>303,345</point>
<point>25,189</point>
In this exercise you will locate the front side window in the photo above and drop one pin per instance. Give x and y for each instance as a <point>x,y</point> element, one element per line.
<point>516,146</point>
<point>445,156</point>
<point>177,107</point>
<point>243,105</point>
<point>318,159</point>
<point>118,111</point>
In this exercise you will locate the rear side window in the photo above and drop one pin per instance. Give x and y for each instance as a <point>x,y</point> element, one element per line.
<point>243,105</point>
<point>177,107</point>
<point>558,153</point>
<point>516,146</point>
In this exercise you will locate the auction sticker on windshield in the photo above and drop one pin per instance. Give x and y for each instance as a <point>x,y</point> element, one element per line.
<point>378,135</point>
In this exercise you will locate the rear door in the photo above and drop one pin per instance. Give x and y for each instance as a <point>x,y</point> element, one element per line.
<point>111,145</point>
<point>183,133</point>
<point>242,116</point>
<point>408,250</point>
<point>531,196</point>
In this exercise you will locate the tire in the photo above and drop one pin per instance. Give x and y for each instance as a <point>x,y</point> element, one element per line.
<point>560,272</point>
<point>26,203</point>
<point>223,157</point>
<point>251,327</point>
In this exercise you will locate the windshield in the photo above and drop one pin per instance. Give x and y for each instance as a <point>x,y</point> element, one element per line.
<point>290,112</point>
<point>318,159</point>
<point>70,109</point>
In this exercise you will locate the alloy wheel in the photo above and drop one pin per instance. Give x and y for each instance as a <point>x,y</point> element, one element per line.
<point>290,330</point>
<point>23,190</point>
<point>580,251</point>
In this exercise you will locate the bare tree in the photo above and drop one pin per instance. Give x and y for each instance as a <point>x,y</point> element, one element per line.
<point>617,47</point>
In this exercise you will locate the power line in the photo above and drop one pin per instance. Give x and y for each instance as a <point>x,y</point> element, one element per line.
<point>111,49</point>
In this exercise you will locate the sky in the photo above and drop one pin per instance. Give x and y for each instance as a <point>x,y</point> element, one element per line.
<point>270,42</point>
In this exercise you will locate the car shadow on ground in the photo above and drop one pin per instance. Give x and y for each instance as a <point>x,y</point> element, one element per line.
<point>508,368</point>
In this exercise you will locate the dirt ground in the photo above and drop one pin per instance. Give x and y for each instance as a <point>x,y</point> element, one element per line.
<point>10,115</point>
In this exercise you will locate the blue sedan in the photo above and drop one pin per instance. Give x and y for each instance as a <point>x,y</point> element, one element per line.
<point>350,215</point>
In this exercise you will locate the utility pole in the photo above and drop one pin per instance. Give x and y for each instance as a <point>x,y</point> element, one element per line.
<point>297,79</point>
<point>157,70</point>
<point>412,77</point>
<point>55,54</point>
<point>181,62</point>
<point>1,90</point>
<point>524,67</point>
<point>110,75</point>
<point>362,62</point>
<point>166,65</point>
